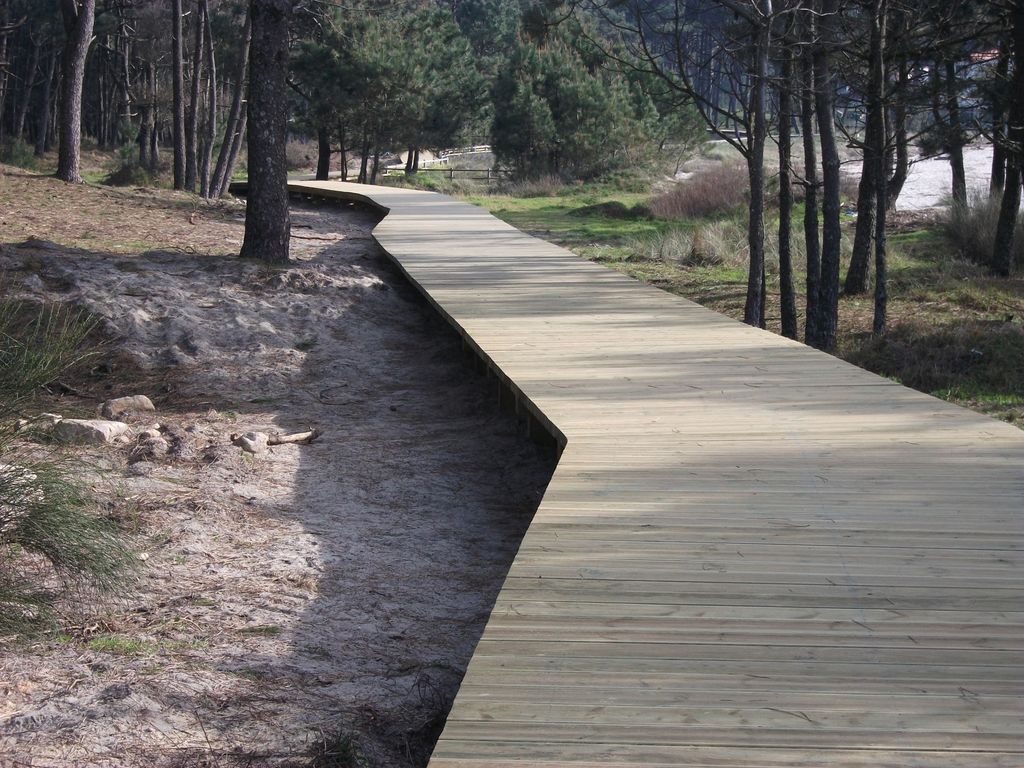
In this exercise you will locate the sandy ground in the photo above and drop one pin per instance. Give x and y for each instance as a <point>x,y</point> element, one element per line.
<point>338,587</point>
<point>930,184</point>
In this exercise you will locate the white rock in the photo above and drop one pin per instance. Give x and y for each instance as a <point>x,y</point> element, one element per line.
<point>149,434</point>
<point>252,442</point>
<point>120,405</point>
<point>89,430</point>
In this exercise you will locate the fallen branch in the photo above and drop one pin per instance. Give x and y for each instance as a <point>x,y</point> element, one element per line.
<point>297,437</point>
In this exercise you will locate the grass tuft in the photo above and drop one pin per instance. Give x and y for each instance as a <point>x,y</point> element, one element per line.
<point>338,750</point>
<point>50,541</point>
<point>971,227</point>
<point>713,191</point>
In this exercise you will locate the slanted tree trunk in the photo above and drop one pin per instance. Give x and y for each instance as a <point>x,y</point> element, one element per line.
<point>787,293</point>
<point>178,94</point>
<point>267,225</point>
<point>824,87</point>
<point>210,135</point>
<point>79,16</point>
<point>753,313</point>
<point>236,119</point>
<point>858,275</point>
<point>233,152</point>
<point>1009,209</point>
<point>323,155</point>
<point>192,121</point>
<point>46,106</point>
<point>26,95</point>
<point>900,136</point>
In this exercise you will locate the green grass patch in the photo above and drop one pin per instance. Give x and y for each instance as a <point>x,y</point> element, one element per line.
<point>576,217</point>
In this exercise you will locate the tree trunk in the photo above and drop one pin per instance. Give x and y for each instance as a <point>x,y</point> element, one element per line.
<point>145,131</point>
<point>5,14</point>
<point>79,16</point>
<point>812,333</point>
<point>787,292</point>
<point>154,144</point>
<point>376,161</point>
<point>233,152</point>
<point>1009,209</point>
<point>343,152</point>
<point>955,145</point>
<point>148,157</point>
<point>323,157</point>
<point>408,161</point>
<point>876,113</point>
<point>900,137</point>
<point>858,276</point>
<point>46,106</point>
<point>365,159</point>
<point>234,128</point>
<point>267,226</point>
<point>26,96</point>
<point>828,289</point>
<point>753,313</point>
<point>192,122</point>
<point>210,135</point>
<point>999,154</point>
<point>178,88</point>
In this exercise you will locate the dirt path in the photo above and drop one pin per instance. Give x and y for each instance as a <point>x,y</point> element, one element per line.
<point>320,590</point>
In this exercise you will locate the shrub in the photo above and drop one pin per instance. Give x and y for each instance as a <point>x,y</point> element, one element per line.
<point>19,154</point>
<point>130,174</point>
<point>711,244</point>
<point>972,229</point>
<point>49,540</point>
<point>713,191</point>
<point>543,186</point>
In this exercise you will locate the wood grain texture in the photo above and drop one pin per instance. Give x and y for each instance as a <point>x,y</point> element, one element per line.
<point>751,553</point>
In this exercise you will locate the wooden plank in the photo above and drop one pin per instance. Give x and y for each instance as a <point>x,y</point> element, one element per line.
<point>751,553</point>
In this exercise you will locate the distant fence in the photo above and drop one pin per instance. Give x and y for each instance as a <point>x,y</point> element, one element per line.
<point>470,174</point>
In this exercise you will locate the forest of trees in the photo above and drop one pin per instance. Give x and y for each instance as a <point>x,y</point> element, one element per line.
<point>575,90</point>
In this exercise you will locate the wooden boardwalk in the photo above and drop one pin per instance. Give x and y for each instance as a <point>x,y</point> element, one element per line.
<point>751,553</point>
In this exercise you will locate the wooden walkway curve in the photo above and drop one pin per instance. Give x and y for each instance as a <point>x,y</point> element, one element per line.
<point>750,554</point>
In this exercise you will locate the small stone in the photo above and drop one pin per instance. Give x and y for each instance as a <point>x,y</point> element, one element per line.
<point>148,449</point>
<point>121,405</point>
<point>149,434</point>
<point>96,431</point>
<point>143,556</point>
<point>252,442</point>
